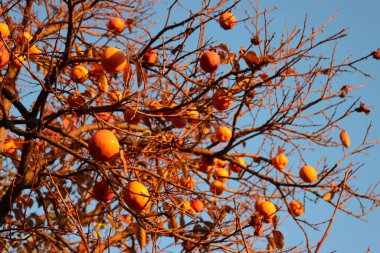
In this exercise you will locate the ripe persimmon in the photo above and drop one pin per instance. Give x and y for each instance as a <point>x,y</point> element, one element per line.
<point>221,100</point>
<point>4,55</point>
<point>150,56</point>
<point>103,146</point>
<point>217,187</point>
<point>197,205</point>
<point>267,209</point>
<point>205,164</point>
<point>296,208</point>
<point>116,25</point>
<point>308,174</point>
<point>280,161</point>
<point>227,20</point>
<point>221,174</point>
<point>209,61</point>
<point>79,74</point>
<point>113,60</point>
<point>223,134</point>
<point>4,30</point>
<point>235,168</point>
<point>219,162</point>
<point>102,191</point>
<point>136,195</point>
<point>258,204</point>
<point>188,182</point>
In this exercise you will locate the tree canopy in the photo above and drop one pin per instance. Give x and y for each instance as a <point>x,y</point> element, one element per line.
<point>126,134</point>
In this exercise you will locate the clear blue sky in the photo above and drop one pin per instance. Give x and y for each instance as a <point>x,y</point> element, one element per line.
<point>361,17</point>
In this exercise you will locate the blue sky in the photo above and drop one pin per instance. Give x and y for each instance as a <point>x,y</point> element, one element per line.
<point>361,18</point>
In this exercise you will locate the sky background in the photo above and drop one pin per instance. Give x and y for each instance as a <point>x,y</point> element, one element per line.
<point>361,18</point>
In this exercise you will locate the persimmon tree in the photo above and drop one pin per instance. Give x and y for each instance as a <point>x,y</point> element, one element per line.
<point>122,133</point>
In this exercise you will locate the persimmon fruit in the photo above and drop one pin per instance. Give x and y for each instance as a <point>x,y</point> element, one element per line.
<point>4,30</point>
<point>136,195</point>
<point>221,100</point>
<point>217,187</point>
<point>102,191</point>
<point>296,208</point>
<point>280,161</point>
<point>113,60</point>
<point>221,174</point>
<point>103,146</point>
<point>197,205</point>
<point>150,56</point>
<point>308,174</point>
<point>209,61</point>
<point>235,168</point>
<point>227,20</point>
<point>223,134</point>
<point>116,25</point>
<point>79,74</point>
<point>267,209</point>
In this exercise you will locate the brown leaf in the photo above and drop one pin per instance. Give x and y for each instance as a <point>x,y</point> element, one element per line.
<point>141,236</point>
<point>328,196</point>
<point>279,239</point>
<point>363,108</point>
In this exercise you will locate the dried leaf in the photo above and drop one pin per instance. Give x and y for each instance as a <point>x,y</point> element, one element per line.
<point>224,47</point>
<point>141,77</point>
<point>345,139</point>
<point>129,24</point>
<point>271,243</point>
<point>141,236</point>
<point>328,196</point>
<point>279,239</point>
<point>102,83</point>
